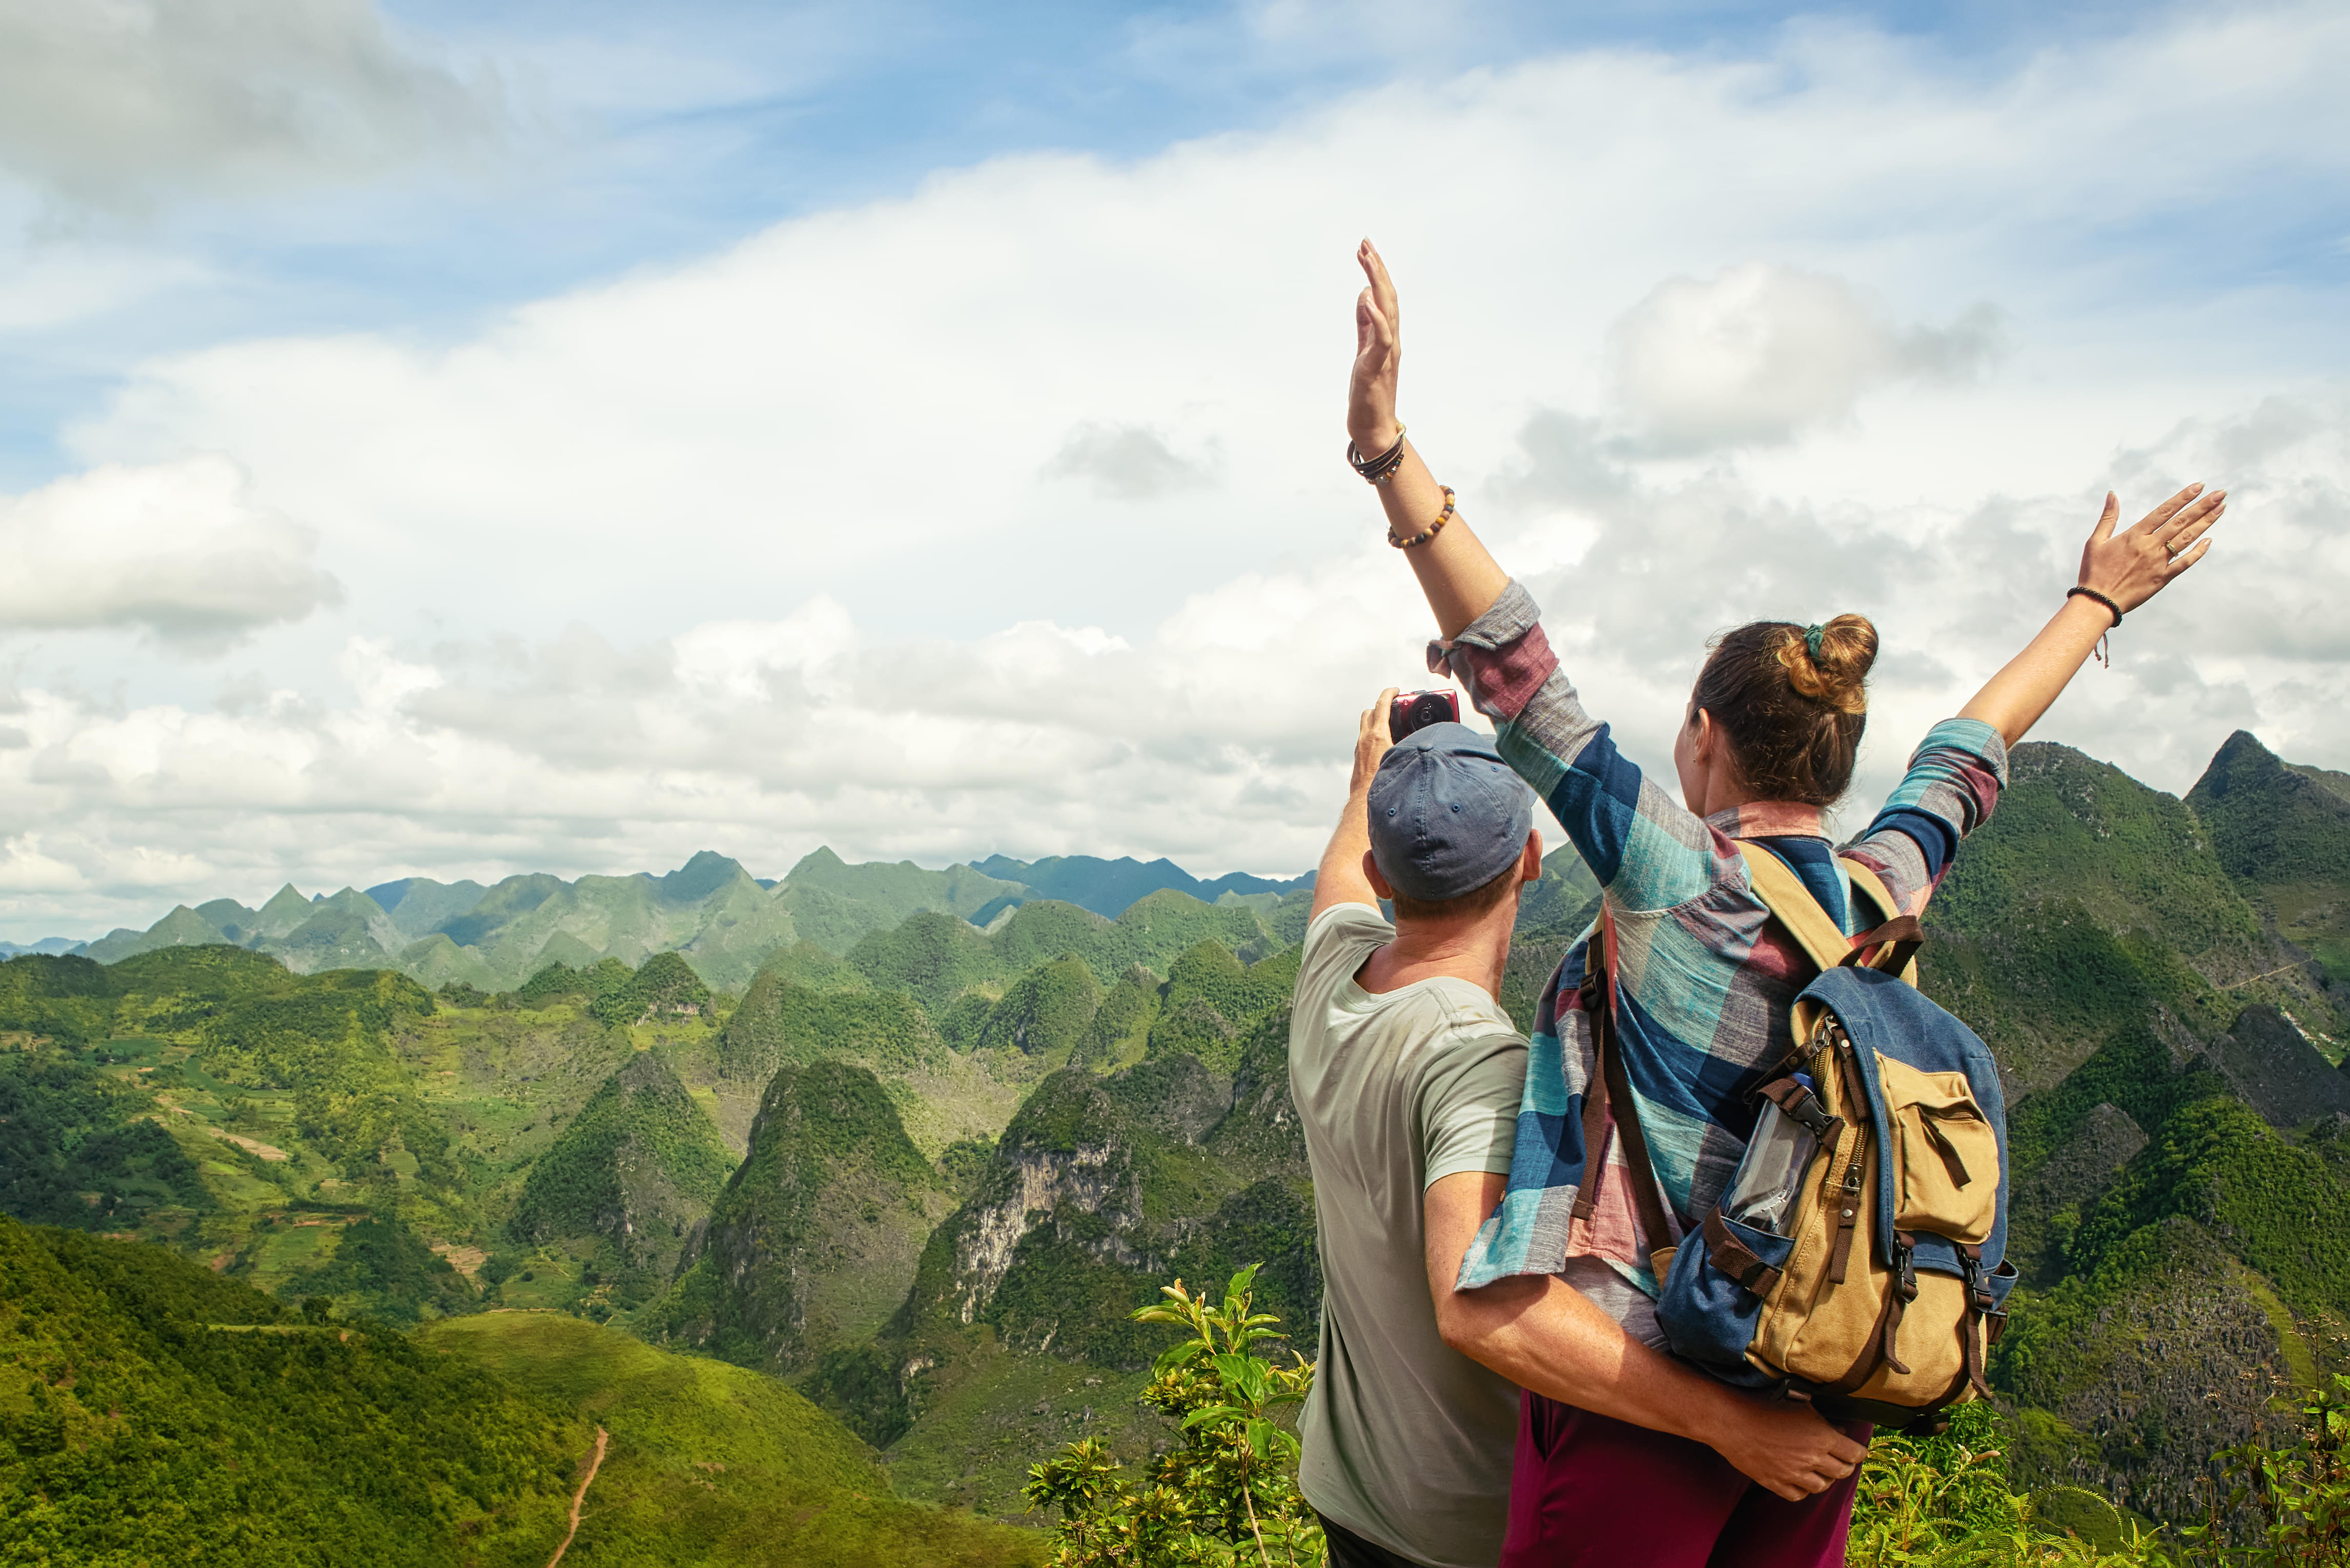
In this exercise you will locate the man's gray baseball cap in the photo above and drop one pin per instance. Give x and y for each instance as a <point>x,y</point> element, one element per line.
<point>1448,815</point>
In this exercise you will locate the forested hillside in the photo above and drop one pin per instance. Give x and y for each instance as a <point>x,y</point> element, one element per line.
<point>910,1151</point>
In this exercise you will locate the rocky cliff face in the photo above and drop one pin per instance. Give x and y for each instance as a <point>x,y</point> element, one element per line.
<point>2139,1380</point>
<point>1102,1188</point>
<point>2273,1067</point>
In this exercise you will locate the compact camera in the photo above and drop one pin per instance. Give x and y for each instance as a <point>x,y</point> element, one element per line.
<point>1419,710</point>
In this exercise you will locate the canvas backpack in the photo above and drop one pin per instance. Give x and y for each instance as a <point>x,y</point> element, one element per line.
<point>1857,1260</point>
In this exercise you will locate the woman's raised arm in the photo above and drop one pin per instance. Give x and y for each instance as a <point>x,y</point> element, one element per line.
<point>1460,578</point>
<point>2119,572</point>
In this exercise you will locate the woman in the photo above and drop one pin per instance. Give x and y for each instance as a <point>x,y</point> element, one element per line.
<point>1766,743</point>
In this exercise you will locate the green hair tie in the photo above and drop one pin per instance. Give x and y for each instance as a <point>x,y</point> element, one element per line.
<point>1812,635</point>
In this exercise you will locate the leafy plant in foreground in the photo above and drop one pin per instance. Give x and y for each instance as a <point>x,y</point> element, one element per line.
<point>1227,1495</point>
<point>2296,1498</point>
<point>1945,1502</point>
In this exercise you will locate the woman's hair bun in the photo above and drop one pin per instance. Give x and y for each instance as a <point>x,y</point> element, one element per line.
<point>1837,675</point>
<point>1793,701</point>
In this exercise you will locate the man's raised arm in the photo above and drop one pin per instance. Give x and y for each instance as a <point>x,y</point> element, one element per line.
<point>1340,879</point>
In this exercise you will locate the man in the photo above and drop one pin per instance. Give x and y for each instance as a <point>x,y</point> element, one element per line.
<point>1407,1077</point>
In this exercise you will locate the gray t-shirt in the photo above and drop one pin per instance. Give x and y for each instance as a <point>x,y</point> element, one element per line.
<point>1408,1442</point>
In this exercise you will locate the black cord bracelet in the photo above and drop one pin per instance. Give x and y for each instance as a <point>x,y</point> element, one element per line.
<point>2094,594</point>
<point>1380,468</point>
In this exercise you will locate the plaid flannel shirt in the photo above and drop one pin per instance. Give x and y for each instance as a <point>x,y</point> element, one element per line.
<point>1706,983</point>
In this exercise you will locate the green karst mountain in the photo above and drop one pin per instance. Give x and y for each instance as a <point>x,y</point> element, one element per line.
<point>813,1243</point>
<point>2284,835</point>
<point>638,1167</point>
<point>2167,1052</point>
<point>723,920</point>
<point>1047,1013</point>
<point>886,1155</point>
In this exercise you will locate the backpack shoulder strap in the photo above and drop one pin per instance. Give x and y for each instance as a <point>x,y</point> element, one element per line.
<point>1865,878</point>
<point>1792,904</point>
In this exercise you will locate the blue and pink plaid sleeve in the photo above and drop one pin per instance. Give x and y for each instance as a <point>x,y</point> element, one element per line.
<point>1648,851</point>
<point>1952,786</point>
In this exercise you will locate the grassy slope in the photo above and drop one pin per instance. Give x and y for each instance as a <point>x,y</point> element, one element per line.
<point>709,1464</point>
<point>134,1431</point>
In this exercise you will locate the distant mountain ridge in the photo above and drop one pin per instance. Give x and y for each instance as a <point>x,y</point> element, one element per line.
<point>724,920</point>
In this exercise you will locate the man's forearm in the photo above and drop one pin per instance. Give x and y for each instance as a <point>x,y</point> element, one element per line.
<point>1542,1333</point>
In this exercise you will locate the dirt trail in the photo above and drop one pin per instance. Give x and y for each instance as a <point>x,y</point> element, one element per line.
<point>595,1463</point>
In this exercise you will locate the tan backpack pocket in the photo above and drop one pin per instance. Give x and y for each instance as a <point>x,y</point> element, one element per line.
<point>1946,1153</point>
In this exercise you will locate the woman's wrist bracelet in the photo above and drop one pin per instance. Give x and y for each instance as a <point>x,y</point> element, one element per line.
<point>1380,468</point>
<point>2104,649</point>
<point>2088,593</point>
<point>1432,531</point>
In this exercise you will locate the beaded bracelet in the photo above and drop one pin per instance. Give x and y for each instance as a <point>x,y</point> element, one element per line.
<point>1380,468</point>
<point>1432,531</point>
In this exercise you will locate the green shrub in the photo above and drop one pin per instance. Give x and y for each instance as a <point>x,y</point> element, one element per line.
<point>2286,1507</point>
<point>1227,1495</point>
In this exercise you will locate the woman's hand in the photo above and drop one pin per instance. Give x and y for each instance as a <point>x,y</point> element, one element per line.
<point>2129,568</point>
<point>2132,566</point>
<point>1378,354</point>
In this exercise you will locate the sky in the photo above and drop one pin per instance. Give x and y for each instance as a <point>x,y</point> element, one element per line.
<point>456,440</point>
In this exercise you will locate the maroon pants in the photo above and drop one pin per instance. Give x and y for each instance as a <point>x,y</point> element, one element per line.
<point>1592,1490</point>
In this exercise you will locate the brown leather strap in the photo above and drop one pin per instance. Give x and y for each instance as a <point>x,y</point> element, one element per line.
<point>1840,1255</point>
<point>1735,1259</point>
<point>1954,1161</point>
<point>1595,1108</point>
<point>1610,1096</point>
<point>1874,1350</point>
<point>1868,881</point>
<point>1890,946</point>
<point>1801,1106</point>
<point>1648,1196</point>
<point>1849,1192</point>
<point>1974,1326</point>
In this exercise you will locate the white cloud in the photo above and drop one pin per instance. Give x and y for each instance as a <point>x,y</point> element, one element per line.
<point>112,102</point>
<point>1760,352</point>
<point>181,551</point>
<point>1219,739</point>
<point>1127,462</point>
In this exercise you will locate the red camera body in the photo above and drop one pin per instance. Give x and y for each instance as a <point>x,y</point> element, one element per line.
<point>1419,710</point>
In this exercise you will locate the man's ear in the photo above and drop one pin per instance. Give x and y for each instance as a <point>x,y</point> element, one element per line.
<point>1529,867</point>
<point>1371,874</point>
